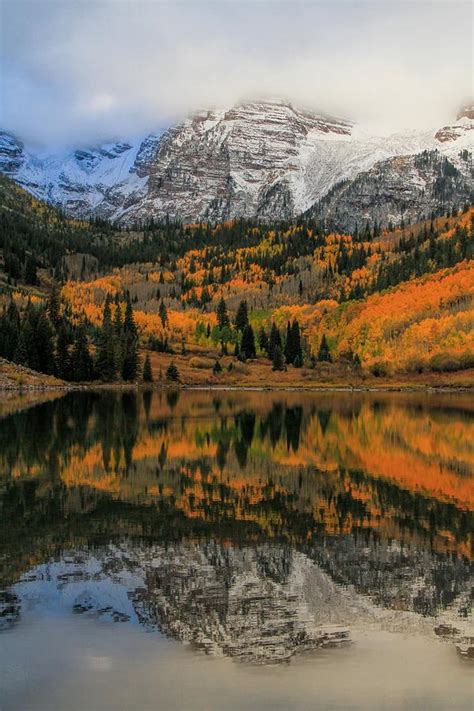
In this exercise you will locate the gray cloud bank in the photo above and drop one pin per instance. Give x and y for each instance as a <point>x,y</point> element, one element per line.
<point>77,71</point>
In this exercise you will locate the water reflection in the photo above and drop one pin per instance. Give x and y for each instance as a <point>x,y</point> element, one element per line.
<point>243,522</point>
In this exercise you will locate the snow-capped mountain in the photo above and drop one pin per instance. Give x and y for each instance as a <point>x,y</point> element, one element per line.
<point>257,159</point>
<point>259,604</point>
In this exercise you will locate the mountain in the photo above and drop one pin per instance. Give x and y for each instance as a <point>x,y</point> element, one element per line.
<point>267,160</point>
<point>400,188</point>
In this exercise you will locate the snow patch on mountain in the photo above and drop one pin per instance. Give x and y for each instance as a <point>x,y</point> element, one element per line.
<point>264,159</point>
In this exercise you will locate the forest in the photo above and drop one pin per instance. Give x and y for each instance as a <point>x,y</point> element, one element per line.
<point>174,302</point>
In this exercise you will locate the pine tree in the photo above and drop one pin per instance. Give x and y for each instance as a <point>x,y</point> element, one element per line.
<point>63,358</point>
<point>289,349</point>
<point>274,341</point>
<point>130,344</point>
<point>105,361</point>
<point>82,366</point>
<point>118,337</point>
<point>242,317</point>
<point>163,313</point>
<point>296,344</point>
<point>53,306</point>
<point>263,340</point>
<point>44,338</point>
<point>172,373</point>
<point>222,315</point>
<point>147,372</point>
<point>31,276</point>
<point>278,361</point>
<point>247,345</point>
<point>324,353</point>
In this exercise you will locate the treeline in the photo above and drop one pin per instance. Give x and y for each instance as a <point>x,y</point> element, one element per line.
<point>282,348</point>
<point>48,339</point>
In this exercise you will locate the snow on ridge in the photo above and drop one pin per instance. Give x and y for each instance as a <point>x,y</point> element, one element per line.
<point>239,153</point>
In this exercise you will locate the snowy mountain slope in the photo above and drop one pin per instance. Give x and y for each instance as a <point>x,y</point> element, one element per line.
<point>257,159</point>
<point>404,187</point>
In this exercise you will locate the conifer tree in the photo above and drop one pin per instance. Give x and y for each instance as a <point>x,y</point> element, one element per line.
<point>242,317</point>
<point>324,354</point>
<point>247,345</point>
<point>105,361</point>
<point>222,315</point>
<point>172,373</point>
<point>130,344</point>
<point>31,276</point>
<point>82,366</point>
<point>263,340</point>
<point>63,358</point>
<point>163,313</point>
<point>274,340</point>
<point>147,372</point>
<point>278,361</point>
<point>289,350</point>
<point>53,306</point>
<point>297,359</point>
<point>44,339</point>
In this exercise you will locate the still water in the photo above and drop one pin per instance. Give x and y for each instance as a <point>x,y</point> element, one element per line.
<point>234,550</point>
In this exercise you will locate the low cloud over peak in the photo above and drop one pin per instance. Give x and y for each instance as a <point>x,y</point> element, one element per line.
<point>85,71</point>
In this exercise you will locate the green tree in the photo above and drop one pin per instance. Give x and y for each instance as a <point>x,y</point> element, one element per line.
<point>163,313</point>
<point>263,340</point>
<point>274,341</point>
<point>130,344</point>
<point>147,372</point>
<point>63,358</point>
<point>82,366</point>
<point>242,316</point>
<point>223,320</point>
<point>295,352</point>
<point>54,306</point>
<point>324,354</point>
<point>278,360</point>
<point>31,276</point>
<point>172,373</point>
<point>106,355</point>
<point>247,345</point>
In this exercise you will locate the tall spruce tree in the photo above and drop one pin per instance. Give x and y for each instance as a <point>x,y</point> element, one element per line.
<point>147,372</point>
<point>105,361</point>
<point>278,359</point>
<point>82,365</point>
<point>247,345</point>
<point>242,316</point>
<point>163,313</point>
<point>63,358</point>
<point>263,340</point>
<point>223,320</point>
<point>297,360</point>
<point>324,354</point>
<point>130,344</point>
<point>289,349</point>
<point>274,341</point>
<point>54,306</point>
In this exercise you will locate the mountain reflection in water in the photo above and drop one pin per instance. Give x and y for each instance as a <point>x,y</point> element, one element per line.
<point>244,523</point>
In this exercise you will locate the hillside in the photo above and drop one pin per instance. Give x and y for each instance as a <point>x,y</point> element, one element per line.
<point>342,308</point>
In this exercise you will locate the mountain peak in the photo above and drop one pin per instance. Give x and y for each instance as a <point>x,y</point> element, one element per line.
<point>466,111</point>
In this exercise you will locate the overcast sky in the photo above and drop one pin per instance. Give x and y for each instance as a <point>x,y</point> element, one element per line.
<point>80,71</point>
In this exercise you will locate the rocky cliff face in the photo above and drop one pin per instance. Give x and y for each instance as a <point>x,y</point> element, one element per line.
<point>405,188</point>
<point>267,160</point>
<point>257,604</point>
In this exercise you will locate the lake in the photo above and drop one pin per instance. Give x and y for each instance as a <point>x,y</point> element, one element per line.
<point>232,550</point>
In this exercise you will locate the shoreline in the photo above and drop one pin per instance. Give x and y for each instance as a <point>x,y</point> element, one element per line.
<point>334,387</point>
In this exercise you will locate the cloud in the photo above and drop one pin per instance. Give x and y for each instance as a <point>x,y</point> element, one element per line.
<point>81,70</point>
